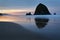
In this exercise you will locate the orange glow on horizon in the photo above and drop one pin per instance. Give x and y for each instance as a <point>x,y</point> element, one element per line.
<point>14,10</point>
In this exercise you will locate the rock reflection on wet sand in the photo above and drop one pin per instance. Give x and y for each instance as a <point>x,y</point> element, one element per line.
<point>27,28</point>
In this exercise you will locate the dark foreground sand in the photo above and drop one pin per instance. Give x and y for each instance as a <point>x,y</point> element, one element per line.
<point>13,31</point>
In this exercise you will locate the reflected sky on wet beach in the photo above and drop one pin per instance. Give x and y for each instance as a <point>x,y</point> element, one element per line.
<point>47,26</point>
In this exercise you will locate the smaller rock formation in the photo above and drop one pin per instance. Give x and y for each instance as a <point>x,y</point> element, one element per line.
<point>54,13</point>
<point>41,9</point>
<point>28,13</point>
<point>1,14</point>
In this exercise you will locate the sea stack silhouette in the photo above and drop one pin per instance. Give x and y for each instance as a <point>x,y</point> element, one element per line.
<point>28,13</point>
<point>41,9</point>
<point>1,14</point>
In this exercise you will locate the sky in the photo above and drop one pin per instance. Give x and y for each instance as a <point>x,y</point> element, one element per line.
<point>16,6</point>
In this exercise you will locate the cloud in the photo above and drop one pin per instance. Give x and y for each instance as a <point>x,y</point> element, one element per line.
<point>53,5</point>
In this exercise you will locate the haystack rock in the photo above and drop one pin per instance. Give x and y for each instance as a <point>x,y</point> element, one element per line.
<point>41,9</point>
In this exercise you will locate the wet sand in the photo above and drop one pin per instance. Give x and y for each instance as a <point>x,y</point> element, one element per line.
<point>30,28</point>
<point>10,30</point>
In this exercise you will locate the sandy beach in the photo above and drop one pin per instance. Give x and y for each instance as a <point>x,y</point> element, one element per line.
<point>10,30</point>
<point>30,27</point>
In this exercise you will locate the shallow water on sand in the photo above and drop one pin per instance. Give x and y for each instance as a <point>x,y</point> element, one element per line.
<point>46,27</point>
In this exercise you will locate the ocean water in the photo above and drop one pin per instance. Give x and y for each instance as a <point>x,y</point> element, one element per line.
<point>35,27</point>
